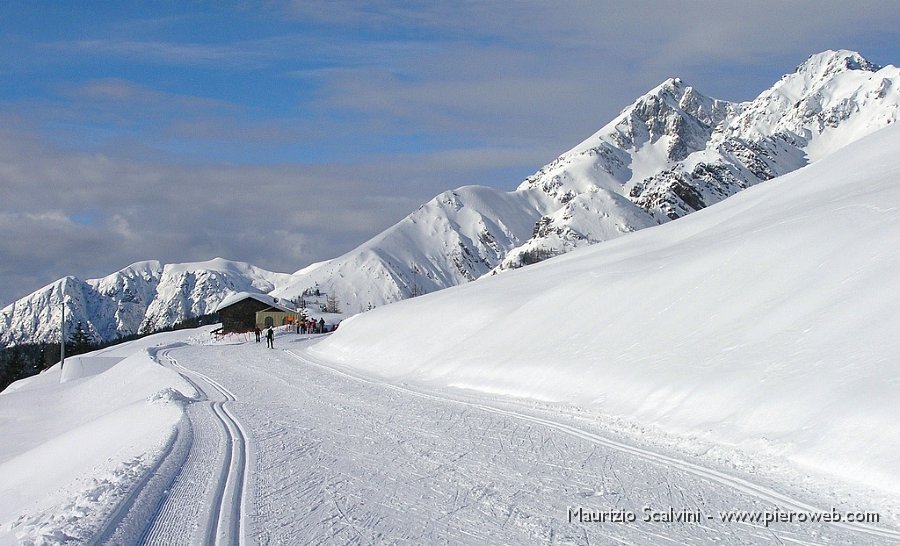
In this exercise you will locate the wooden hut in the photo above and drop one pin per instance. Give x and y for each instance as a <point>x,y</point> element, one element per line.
<point>238,312</point>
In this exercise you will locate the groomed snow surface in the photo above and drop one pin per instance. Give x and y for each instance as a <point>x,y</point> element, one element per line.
<point>75,447</point>
<point>767,324</point>
<point>742,358</point>
<point>278,447</point>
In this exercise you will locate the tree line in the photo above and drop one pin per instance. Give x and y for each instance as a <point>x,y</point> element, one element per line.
<point>21,361</point>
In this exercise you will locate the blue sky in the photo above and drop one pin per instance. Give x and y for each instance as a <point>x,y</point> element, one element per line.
<point>282,133</point>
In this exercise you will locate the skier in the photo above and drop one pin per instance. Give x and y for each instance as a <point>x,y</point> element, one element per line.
<point>257,332</point>
<point>270,338</point>
<point>321,326</point>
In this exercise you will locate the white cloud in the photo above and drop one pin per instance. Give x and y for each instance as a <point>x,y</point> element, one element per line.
<point>278,217</point>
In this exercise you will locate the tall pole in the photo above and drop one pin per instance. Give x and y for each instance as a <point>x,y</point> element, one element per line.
<point>62,330</point>
<point>62,339</point>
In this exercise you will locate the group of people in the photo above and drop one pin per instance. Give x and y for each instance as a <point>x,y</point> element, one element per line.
<point>304,326</point>
<point>310,326</point>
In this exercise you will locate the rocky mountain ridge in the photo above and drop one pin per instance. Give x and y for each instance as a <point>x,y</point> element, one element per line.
<point>672,152</point>
<point>142,297</point>
<point>675,151</point>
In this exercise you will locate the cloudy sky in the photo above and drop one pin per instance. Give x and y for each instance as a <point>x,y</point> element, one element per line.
<point>283,133</point>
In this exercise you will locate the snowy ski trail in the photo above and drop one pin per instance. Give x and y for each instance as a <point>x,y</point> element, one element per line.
<point>288,449</point>
<point>203,501</point>
<point>225,509</point>
<point>738,483</point>
<point>227,506</point>
<point>122,521</point>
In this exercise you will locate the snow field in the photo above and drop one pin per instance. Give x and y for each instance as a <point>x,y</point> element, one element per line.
<point>342,458</point>
<point>766,324</point>
<point>73,451</point>
<point>283,447</point>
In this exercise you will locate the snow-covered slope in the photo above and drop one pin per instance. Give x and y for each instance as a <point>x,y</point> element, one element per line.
<point>142,297</point>
<point>75,441</point>
<point>767,323</point>
<point>456,237</point>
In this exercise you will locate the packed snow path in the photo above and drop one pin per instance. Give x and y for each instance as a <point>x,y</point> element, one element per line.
<point>285,450</point>
<point>221,514</point>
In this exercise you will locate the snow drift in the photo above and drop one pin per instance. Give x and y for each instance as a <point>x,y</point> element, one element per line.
<point>768,321</point>
<point>73,449</point>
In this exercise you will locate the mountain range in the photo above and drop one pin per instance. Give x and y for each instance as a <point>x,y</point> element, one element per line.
<point>672,152</point>
<point>142,297</point>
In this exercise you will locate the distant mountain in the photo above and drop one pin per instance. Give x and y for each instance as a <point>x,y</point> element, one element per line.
<point>141,297</point>
<point>672,152</point>
<point>675,151</point>
<point>456,237</point>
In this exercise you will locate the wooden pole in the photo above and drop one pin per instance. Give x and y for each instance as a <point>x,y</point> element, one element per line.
<point>62,329</point>
<point>62,339</point>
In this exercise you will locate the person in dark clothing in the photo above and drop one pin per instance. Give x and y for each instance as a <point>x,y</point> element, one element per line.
<point>321,326</point>
<point>257,333</point>
<point>270,338</point>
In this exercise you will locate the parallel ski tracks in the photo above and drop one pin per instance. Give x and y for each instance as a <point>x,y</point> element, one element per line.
<point>224,521</point>
<point>214,495</point>
<point>745,486</point>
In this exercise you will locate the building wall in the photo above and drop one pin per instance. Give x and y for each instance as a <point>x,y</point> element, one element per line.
<point>279,318</point>
<point>241,317</point>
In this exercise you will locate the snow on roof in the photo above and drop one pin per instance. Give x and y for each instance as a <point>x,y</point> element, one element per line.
<point>280,304</point>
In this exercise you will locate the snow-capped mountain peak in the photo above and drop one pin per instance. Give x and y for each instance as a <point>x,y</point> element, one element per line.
<point>670,153</point>
<point>824,65</point>
<point>660,128</point>
<point>831,100</point>
<point>824,92</point>
<point>144,296</point>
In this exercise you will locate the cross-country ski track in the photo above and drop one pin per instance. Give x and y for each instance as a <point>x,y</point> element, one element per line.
<point>284,448</point>
<point>225,521</point>
<point>202,502</point>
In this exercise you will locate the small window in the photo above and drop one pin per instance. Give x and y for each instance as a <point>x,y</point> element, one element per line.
<point>270,322</point>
